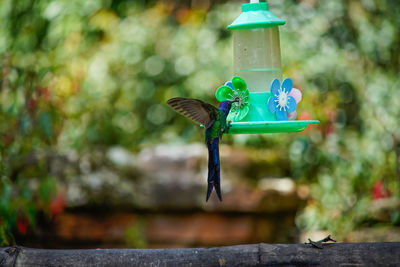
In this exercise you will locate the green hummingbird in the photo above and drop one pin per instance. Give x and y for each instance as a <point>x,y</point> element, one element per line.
<point>214,120</point>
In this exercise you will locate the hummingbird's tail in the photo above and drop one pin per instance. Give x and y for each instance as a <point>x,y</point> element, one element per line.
<point>213,169</point>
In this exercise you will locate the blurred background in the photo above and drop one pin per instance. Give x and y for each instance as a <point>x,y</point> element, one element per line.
<point>91,156</point>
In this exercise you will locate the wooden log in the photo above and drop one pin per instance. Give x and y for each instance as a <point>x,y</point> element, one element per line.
<point>340,254</point>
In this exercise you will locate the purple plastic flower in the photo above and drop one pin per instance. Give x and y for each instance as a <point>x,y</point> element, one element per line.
<point>296,93</point>
<point>280,102</point>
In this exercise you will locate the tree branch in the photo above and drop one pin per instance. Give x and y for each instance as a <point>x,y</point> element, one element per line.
<point>342,254</point>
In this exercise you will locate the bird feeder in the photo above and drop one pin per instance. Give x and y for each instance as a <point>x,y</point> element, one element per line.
<point>257,71</point>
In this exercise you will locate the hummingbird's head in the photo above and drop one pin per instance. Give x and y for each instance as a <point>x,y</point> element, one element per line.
<point>225,106</point>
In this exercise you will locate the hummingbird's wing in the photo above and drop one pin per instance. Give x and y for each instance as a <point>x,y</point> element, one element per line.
<point>196,110</point>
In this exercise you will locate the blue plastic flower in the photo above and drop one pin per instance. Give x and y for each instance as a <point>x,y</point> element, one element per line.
<point>280,102</point>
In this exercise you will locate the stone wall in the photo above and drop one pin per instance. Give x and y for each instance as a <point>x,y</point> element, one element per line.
<point>156,198</point>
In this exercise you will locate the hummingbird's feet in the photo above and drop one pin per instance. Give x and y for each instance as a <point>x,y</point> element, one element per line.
<point>318,244</point>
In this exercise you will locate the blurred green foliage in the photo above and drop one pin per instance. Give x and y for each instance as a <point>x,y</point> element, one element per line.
<point>78,75</point>
<point>346,55</point>
<point>135,235</point>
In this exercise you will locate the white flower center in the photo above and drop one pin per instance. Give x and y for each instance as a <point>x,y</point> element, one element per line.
<point>282,100</point>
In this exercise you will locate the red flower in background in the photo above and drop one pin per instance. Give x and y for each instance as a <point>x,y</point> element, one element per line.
<point>305,116</point>
<point>8,138</point>
<point>378,191</point>
<point>330,126</point>
<point>32,103</point>
<point>57,205</point>
<point>22,225</point>
<point>44,94</point>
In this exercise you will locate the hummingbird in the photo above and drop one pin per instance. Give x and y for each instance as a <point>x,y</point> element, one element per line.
<point>214,121</point>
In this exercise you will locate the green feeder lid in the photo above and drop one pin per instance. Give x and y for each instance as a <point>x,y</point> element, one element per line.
<point>255,15</point>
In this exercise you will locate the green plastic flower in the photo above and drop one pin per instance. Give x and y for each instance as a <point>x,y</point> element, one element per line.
<point>235,91</point>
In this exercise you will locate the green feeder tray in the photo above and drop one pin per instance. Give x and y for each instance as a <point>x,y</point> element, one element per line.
<point>259,127</point>
<point>259,120</point>
<point>252,115</point>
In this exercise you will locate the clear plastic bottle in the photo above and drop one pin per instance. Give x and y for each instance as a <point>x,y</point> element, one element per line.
<point>257,57</point>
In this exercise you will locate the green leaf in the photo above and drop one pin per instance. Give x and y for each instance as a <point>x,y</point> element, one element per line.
<point>45,123</point>
<point>25,125</point>
<point>47,189</point>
